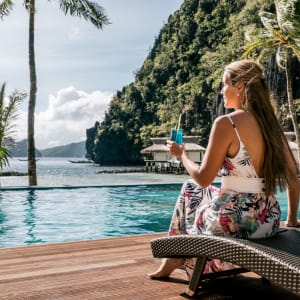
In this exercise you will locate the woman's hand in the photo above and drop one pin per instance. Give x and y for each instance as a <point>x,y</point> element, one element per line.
<point>175,149</point>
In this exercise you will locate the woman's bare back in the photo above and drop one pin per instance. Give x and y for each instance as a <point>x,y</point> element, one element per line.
<point>251,136</point>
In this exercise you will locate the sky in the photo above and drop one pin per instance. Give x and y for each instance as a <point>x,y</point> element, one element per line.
<point>79,67</point>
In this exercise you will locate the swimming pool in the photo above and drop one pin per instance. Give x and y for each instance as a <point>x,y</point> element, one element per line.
<point>47,215</point>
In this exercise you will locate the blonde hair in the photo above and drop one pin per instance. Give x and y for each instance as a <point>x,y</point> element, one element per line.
<point>257,101</point>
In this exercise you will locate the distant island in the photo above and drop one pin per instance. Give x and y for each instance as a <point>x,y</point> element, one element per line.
<point>68,150</point>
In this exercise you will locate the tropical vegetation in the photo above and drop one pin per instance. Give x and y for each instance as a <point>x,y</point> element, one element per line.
<point>182,74</point>
<point>280,35</point>
<point>8,112</point>
<point>86,9</point>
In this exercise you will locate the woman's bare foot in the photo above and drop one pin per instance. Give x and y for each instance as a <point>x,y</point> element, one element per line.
<point>292,224</point>
<point>167,266</point>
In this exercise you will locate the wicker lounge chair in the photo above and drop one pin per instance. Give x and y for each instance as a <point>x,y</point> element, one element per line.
<point>276,259</point>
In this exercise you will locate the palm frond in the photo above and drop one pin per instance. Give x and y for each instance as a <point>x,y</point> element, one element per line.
<point>288,27</point>
<point>272,28</point>
<point>253,34</point>
<point>269,20</point>
<point>258,39</point>
<point>86,9</point>
<point>284,10</point>
<point>288,16</point>
<point>251,47</point>
<point>5,154</point>
<point>6,7</point>
<point>7,114</point>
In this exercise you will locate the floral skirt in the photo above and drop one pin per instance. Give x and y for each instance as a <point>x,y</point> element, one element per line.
<point>211,211</point>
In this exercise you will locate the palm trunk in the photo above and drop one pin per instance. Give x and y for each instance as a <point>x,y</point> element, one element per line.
<point>291,104</point>
<point>32,99</point>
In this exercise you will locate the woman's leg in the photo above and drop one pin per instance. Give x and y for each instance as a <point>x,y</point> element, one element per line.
<point>184,215</point>
<point>182,222</point>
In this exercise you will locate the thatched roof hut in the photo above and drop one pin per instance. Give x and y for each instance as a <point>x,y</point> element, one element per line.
<point>160,151</point>
<point>159,145</point>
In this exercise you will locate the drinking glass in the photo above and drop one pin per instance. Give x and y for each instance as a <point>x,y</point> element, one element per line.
<point>177,135</point>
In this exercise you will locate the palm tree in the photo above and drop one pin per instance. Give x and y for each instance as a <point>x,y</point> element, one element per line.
<point>280,35</point>
<point>86,9</point>
<point>8,113</point>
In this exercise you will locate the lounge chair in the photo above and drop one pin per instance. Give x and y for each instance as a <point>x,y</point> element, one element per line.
<point>276,259</point>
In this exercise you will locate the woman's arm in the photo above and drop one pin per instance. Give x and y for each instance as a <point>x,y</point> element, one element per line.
<point>293,190</point>
<point>293,204</point>
<point>219,141</point>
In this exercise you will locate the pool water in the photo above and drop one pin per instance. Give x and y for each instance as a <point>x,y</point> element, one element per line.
<point>46,215</point>
<point>30,216</point>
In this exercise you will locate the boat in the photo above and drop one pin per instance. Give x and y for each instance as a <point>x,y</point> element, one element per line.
<point>83,161</point>
<point>25,159</point>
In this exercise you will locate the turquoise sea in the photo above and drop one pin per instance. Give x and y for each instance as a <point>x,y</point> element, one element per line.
<point>61,172</point>
<point>75,202</point>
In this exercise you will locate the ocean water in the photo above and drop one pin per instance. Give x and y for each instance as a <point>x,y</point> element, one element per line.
<point>61,172</point>
<point>74,201</point>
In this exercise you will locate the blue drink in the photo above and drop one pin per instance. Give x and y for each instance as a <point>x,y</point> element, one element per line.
<point>173,135</point>
<point>177,136</point>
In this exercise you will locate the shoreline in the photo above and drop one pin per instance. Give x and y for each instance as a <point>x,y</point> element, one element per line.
<point>12,173</point>
<point>39,187</point>
<point>123,170</point>
<point>93,180</point>
<point>55,172</point>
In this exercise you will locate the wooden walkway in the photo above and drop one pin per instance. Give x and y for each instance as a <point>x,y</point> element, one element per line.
<point>113,268</point>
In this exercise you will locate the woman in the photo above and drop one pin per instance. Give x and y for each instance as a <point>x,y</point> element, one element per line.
<point>250,149</point>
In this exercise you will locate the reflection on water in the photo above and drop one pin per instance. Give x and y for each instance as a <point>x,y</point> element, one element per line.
<point>57,215</point>
<point>2,217</point>
<point>30,218</point>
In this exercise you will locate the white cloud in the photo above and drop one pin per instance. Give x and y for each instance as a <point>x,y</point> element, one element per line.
<point>71,51</point>
<point>66,118</point>
<point>75,33</point>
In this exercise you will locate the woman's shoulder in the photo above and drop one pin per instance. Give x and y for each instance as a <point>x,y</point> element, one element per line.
<point>235,117</point>
<point>222,121</point>
<point>222,125</point>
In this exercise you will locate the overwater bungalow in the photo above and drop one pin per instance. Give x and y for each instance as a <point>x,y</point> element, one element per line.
<point>158,159</point>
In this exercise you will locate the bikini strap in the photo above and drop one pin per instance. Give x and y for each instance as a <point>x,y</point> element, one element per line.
<point>234,127</point>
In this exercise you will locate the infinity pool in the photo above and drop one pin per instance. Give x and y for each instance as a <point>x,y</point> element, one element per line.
<point>30,216</point>
<point>44,215</point>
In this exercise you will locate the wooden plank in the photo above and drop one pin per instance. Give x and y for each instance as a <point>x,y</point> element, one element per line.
<point>114,268</point>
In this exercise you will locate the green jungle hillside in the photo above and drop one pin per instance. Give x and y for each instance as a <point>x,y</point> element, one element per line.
<point>182,74</point>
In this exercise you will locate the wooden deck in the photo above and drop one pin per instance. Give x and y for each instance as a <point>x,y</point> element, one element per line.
<point>113,268</point>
